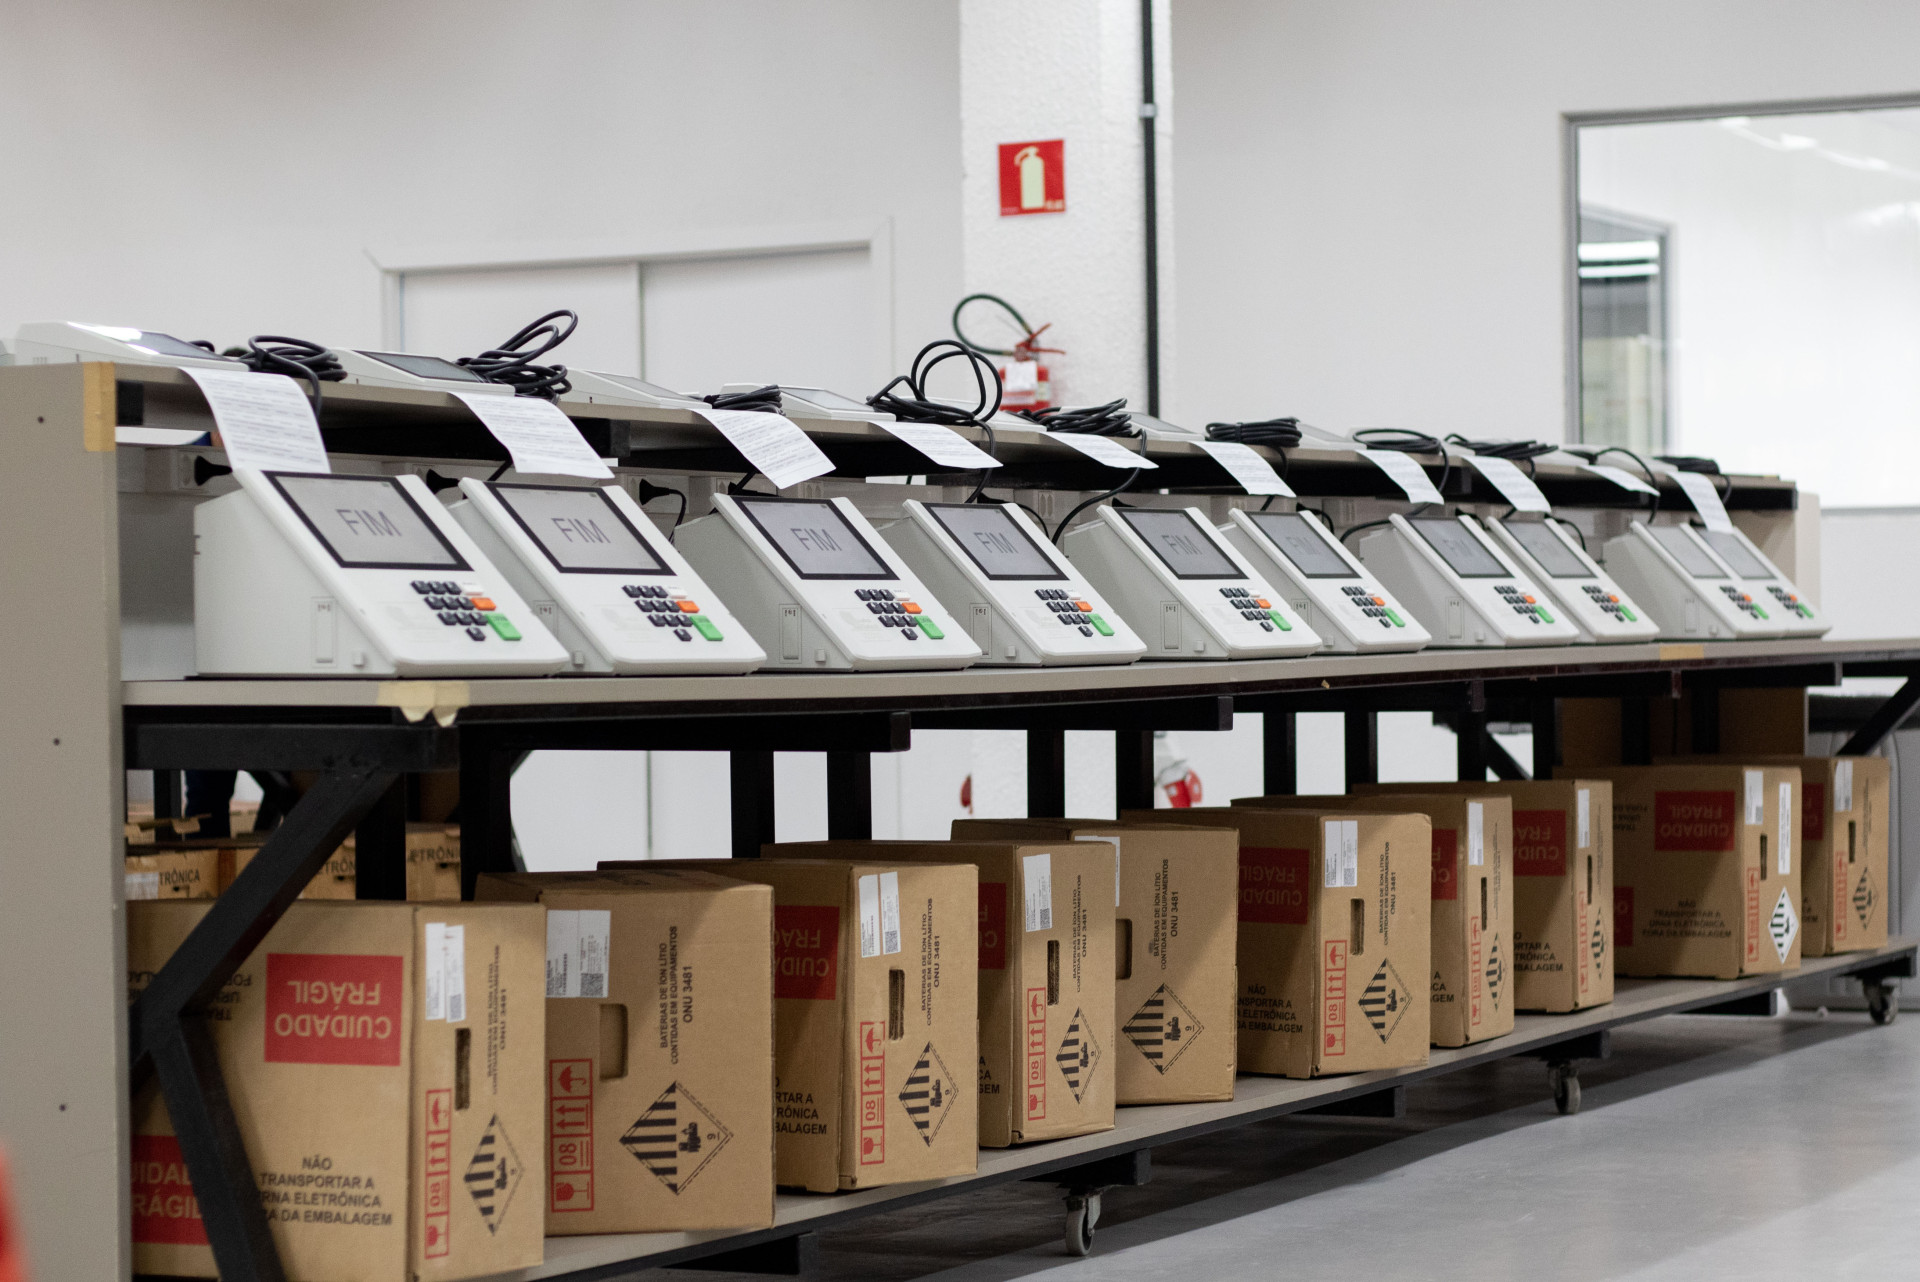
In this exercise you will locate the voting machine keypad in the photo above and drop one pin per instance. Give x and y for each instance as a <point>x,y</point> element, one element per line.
<point>1256,609</point>
<point>1373,607</point>
<point>672,610</point>
<point>898,614</point>
<point>1073,613</point>
<point>1523,604</point>
<point>465,606</point>
<point>1609,603</point>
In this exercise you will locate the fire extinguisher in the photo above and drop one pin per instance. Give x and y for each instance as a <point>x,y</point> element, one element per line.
<point>1172,775</point>
<point>1025,380</point>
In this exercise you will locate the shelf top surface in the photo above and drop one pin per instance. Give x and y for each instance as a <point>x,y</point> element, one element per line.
<point>985,686</point>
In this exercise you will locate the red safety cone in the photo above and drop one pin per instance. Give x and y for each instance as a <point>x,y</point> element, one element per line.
<point>13,1263</point>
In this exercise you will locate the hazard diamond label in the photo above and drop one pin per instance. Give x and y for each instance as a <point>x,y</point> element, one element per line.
<point>928,1094</point>
<point>1863,899</point>
<point>1599,942</point>
<point>675,1138</point>
<point>1496,970</point>
<point>1078,1055</point>
<point>1783,925</point>
<point>1162,1029</point>
<point>1384,1001</point>
<point>493,1175</point>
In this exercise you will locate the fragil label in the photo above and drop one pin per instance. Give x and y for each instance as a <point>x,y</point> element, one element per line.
<point>1273,885</point>
<point>1690,821</point>
<point>806,951</point>
<point>333,1008</point>
<point>164,1208</point>
<point>1539,843</point>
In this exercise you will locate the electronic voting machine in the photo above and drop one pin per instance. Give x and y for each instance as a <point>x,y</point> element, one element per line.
<point>1460,585</point>
<point>1693,594</point>
<point>1327,586</point>
<point>1581,591</point>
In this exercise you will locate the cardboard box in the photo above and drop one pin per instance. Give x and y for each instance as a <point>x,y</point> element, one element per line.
<point>385,1066</point>
<point>1562,887</point>
<point>1706,876</point>
<point>1471,914</point>
<point>335,880</point>
<point>172,872</point>
<point>1044,913</point>
<point>874,1029</point>
<point>1175,933</point>
<point>433,862</point>
<point>659,1059</point>
<point>1845,819</point>
<point>1334,946</point>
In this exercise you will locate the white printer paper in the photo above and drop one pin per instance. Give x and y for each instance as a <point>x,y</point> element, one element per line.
<point>264,420</point>
<point>1405,473</point>
<point>1514,485</point>
<point>941,444</point>
<point>1253,474</point>
<point>541,440</point>
<point>1103,449</point>
<point>1706,500</point>
<point>1625,480</point>
<point>773,443</point>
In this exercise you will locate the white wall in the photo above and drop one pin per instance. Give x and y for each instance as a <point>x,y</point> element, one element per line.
<point>1371,209</point>
<point>218,170</point>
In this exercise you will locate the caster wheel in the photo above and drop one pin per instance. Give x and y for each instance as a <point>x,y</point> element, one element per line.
<point>1083,1212</point>
<point>1883,1003</point>
<point>1566,1088</point>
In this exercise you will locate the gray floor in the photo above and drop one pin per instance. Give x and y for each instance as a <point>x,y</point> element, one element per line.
<point>1707,1148</point>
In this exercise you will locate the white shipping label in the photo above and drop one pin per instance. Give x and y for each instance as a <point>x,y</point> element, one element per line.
<point>1343,852</point>
<point>579,952</point>
<point>1514,485</point>
<point>1103,449</point>
<point>143,885</point>
<point>1405,473</point>
<point>541,440</point>
<point>1706,500</point>
<point>1842,786</point>
<point>889,912</point>
<point>265,421</point>
<point>1115,843</point>
<point>774,444</point>
<point>433,971</point>
<point>1785,862</point>
<point>1756,796</point>
<point>1583,805</point>
<point>1251,472</point>
<point>879,895</point>
<point>1625,480</point>
<point>1036,876</point>
<point>942,445</point>
<point>453,963</point>
<point>1476,833</point>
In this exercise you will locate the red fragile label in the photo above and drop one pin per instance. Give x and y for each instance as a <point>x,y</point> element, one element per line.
<point>1623,916</point>
<point>1539,843</point>
<point>1813,811</point>
<point>1273,885</point>
<point>437,1191</point>
<point>993,925</point>
<point>1033,177</point>
<point>1446,854</point>
<point>1690,821</point>
<point>570,1134</point>
<point>806,952</point>
<point>1036,1083</point>
<point>873,1093</point>
<point>333,1008</point>
<point>164,1208</point>
<point>1333,998</point>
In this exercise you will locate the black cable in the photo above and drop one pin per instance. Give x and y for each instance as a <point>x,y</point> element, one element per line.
<point>1279,433</point>
<point>1118,489</point>
<point>1690,463</point>
<point>1653,479</point>
<point>765,400</point>
<point>917,406</point>
<point>1110,419</point>
<point>740,487</point>
<point>296,358</point>
<point>512,363</point>
<point>649,492</point>
<point>1514,451</point>
<point>1364,525</point>
<point>1404,440</point>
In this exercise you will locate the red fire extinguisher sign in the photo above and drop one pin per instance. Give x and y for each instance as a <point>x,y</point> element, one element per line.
<point>1033,177</point>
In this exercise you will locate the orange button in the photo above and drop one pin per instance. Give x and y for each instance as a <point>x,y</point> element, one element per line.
<point>1263,603</point>
<point>1529,600</point>
<point>1379,600</point>
<point>1086,607</point>
<point>910,607</point>
<point>483,603</point>
<point>688,607</point>
<point>1614,600</point>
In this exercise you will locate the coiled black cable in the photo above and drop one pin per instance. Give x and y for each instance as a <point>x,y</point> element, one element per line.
<point>1690,463</point>
<point>1119,489</point>
<point>296,358</point>
<point>1110,419</point>
<point>1653,478</point>
<point>1513,451</point>
<point>765,400</point>
<point>513,362</point>
<point>1280,433</point>
<point>917,406</point>
<point>1404,440</point>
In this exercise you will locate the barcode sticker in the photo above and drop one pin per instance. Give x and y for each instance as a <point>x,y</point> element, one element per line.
<point>1476,833</point>
<point>1036,874</point>
<point>879,896</point>
<point>1583,805</point>
<point>579,952</point>
<point>1115,843</point>
<point>433,971</point>
<point>889,912</point>
<point>1842,786</point>
<point>143,885</point>
<point>1756,797</point>
<point>1786,830</point>
<point>1343,852</point>
<point>453,962</point>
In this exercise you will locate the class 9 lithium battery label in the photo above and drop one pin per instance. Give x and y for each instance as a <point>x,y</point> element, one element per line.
<point>1756,796</point>
<point>1785,863</point>
<point>1583,805</point>
<point>1115,843</point>
<point>1036,875</point>
<point>1842,785</point>
<point>1343,853</point>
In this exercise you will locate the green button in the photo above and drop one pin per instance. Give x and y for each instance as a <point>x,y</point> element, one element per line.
<point>1100,625</point>
<point>1628,614</point>
<point>704,626</point>
<point>1541,610</point>
<point>1397,621</point>
<point>1278,621</point>
<point>1804,610</point>
<point>928,626</point>
<point>1757,610</point>
<point>500,625</point>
